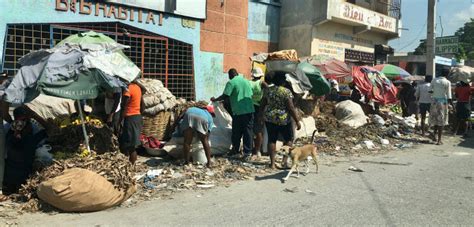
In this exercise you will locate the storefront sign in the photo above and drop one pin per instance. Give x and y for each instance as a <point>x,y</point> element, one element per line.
<point>329,49</point>
<point>365,16</point>
<point>188,8</point>
<point>109,10</point>
<point>353,39</point>
<point>447,45</point>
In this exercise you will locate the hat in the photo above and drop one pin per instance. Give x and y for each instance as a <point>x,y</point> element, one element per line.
<point>20,113</point>
<point>210,109</point>
<point>257,73</point>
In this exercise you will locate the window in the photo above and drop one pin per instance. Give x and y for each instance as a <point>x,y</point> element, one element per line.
<point>158,57</point>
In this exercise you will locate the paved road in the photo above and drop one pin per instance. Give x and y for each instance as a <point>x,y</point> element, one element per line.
<point>427,185</point>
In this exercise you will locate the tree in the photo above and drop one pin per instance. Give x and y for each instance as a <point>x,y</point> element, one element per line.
<point>466,39</point>
<point>466,42</point>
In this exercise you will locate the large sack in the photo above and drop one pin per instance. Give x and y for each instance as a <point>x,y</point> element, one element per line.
<point>49,107</point>
<point>81,190</point>
<point>351,114</point>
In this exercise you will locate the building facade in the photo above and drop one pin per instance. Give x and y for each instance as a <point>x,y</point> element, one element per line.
<point>347,30</point>
<point>188,44</point>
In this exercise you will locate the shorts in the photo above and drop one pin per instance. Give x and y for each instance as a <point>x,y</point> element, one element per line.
<point>274,131</point>
<point>196,122</point>
<point>257,126</point>
<point>131,131</point>
<point>424,108</point>
<point>463,110</point>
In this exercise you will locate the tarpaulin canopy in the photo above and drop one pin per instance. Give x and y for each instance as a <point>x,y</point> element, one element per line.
<point>462,73</point>
<point>374,85</point>
<point>104,54</point>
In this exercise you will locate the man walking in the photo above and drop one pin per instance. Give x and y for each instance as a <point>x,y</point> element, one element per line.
<point>442,97</point>
<point>423,98</point>
<point>239,92</point>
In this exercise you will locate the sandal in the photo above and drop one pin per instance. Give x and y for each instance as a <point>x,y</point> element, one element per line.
<point>4,198</point>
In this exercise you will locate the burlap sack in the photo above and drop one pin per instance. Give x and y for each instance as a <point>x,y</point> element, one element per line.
<point>81,190</point>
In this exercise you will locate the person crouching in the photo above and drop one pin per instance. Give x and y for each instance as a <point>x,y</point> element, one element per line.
<point>197,121</point>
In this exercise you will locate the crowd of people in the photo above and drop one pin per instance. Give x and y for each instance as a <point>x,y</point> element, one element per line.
<point>435,96</point>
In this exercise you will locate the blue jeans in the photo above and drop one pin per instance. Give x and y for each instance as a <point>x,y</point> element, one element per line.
<point>242,126</point>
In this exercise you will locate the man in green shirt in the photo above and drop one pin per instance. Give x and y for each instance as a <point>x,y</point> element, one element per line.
<point>239,92</point>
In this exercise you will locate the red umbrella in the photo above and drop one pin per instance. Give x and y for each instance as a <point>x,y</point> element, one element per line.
<point>331,67</point>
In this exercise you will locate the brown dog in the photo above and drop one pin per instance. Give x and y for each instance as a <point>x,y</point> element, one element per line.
<point>302,153</point>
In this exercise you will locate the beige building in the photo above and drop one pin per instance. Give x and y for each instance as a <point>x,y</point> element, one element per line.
<point>347,30</point>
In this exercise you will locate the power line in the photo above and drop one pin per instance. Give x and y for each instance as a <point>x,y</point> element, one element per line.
<point>417,36</point>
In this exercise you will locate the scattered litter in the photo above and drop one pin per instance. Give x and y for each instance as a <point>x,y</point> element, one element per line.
<point>369,144</point>
<point>152,173</point>
<point>292,190</point>
<point>386,163</point>
<point>404,145</point>
<point>310,192</point>
<point>355,169</point>
<point>384,142</point>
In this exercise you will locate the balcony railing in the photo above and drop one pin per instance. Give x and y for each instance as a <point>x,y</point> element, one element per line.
<point>391,8</point>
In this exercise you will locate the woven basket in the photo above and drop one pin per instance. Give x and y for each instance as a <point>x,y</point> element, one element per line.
<point>159,126</point>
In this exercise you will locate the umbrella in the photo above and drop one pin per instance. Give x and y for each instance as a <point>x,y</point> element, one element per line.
<point>320,85</point>
<point>76,69</point>
<point>374,84</point>
<point>392,72</point>
<point>330,67</point>
<point>104,54</point>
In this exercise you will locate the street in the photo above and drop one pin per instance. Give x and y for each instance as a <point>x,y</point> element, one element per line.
<point>425,185</point>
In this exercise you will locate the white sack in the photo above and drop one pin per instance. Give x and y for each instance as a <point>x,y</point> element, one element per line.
<point>351,114</point>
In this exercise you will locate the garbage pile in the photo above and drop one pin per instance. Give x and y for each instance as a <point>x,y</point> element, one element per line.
<point>114,167</point>
<point>336,138</point>
<point>168,177</point>
<point>67,139</point>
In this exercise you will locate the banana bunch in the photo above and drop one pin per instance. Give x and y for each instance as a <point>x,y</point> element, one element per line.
<point>396,109</point>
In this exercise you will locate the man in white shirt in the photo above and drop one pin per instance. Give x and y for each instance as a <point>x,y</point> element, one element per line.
<point>423,98</point>
<point>441,94</point>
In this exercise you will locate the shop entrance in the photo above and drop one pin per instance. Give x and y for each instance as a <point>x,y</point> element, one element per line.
<point>159,57</point>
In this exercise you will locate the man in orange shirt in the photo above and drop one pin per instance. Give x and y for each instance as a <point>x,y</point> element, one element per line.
<point>132,107</point>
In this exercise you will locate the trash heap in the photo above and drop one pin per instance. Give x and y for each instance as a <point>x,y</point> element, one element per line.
<point>67,139</point>
<point>113,166</point>
<point>168,178</point>
<point>337,138</point>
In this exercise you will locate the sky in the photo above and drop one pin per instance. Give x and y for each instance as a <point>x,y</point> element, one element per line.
<point>454,13</point>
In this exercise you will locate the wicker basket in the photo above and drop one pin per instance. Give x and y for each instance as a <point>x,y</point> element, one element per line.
<point>159,126</point>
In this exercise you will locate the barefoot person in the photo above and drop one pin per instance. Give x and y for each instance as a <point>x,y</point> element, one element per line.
<point>441,93</point>
<point>132,107</point>
<point>197,121</point>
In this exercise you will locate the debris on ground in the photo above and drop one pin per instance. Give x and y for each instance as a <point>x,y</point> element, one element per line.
<point>167,177</point>
<point>355,169</point>
<point>291,190</point>
<point>387,163</point>
<point>115,167</point>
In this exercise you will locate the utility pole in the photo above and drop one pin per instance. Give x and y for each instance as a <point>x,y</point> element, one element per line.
<point>430,39</point>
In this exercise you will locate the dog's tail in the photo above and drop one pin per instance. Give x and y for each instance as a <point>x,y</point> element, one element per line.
<point>312,137</point>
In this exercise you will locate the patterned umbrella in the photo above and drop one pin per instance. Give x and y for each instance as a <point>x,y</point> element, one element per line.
<point>392,72</point>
